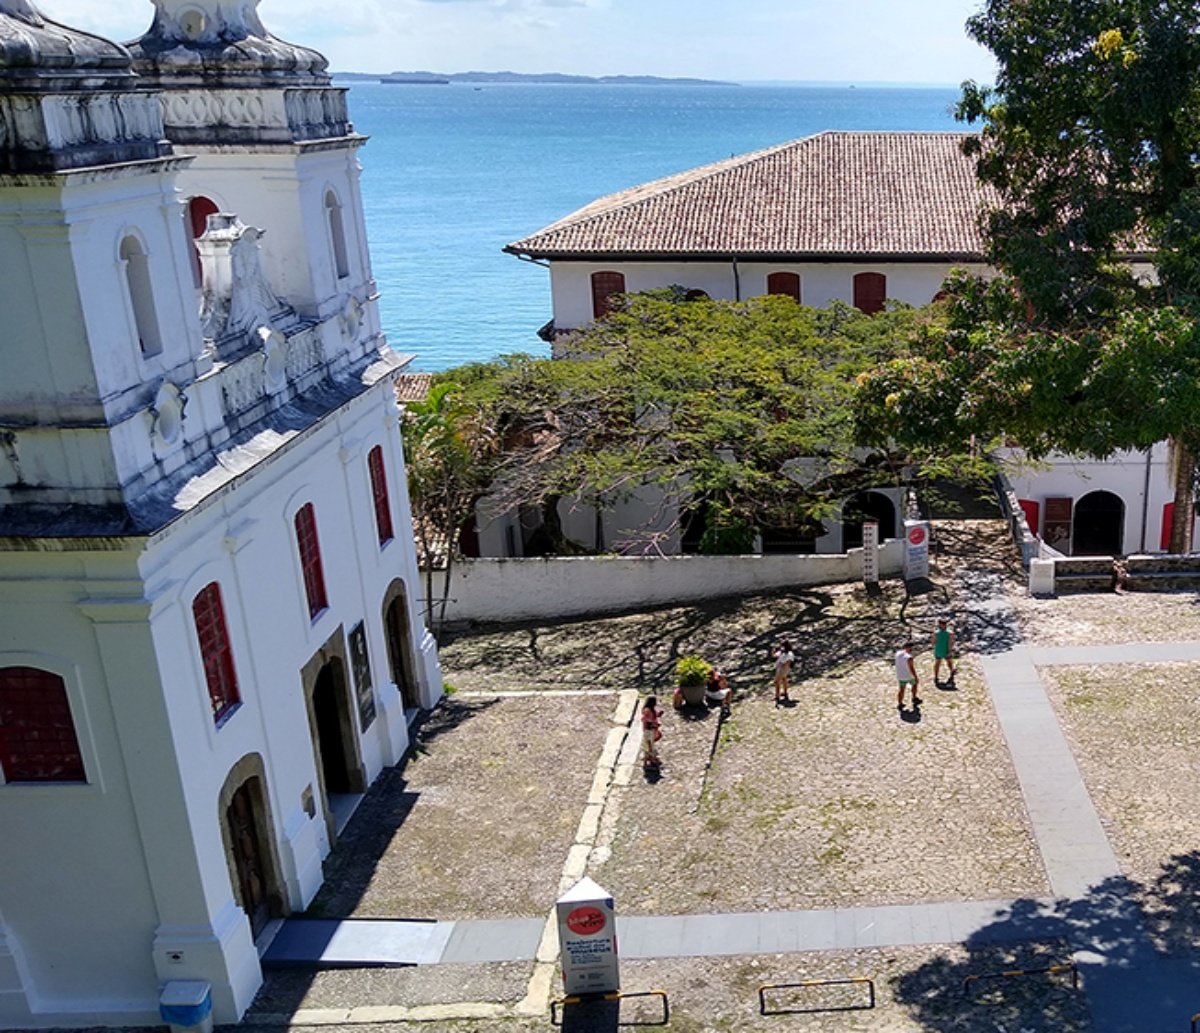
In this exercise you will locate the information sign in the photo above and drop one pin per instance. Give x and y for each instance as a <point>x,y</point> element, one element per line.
<point>587,936</point>
<point>870,560</point>
<point>916,549</point>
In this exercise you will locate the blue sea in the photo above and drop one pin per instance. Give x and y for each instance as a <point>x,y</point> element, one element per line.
<point>453,173</point>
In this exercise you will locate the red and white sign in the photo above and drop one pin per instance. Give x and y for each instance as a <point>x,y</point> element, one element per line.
<point>916,549</point>
<point>587,937</point>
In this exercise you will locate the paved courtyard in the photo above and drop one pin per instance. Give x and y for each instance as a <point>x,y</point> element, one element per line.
<point>1043,811</point>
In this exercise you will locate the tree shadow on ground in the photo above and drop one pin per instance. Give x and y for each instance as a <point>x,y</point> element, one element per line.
<point>1133,946</point>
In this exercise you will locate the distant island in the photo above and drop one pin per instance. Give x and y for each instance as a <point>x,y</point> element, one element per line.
<point>551,78</point>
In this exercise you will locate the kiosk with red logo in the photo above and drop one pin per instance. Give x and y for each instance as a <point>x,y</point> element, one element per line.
<point>916,549</point>
<point>587,935</point>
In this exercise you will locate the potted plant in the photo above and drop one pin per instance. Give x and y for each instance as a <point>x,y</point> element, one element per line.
<point>691,675</point>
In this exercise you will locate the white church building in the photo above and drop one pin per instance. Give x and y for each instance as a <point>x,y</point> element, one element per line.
<point>210,640</point>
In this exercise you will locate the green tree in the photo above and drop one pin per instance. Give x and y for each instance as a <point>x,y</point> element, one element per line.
<point>1089,143</point>
<point>448,448</point>
<point>743,406</point>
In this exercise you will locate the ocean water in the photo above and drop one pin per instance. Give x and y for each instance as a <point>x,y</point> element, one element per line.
<point>453,173</point>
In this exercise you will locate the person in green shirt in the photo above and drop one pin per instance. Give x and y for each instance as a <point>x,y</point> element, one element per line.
<point>943,649</point>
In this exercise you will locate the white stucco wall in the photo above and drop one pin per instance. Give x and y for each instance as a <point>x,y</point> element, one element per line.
<point>821,283</point>
<point>1141,479</point>
<point>529,589</point>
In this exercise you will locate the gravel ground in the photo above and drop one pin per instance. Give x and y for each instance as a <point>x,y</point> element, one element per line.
<point>1100,617</point>
<point>1134,732</point>
<point>836,801</point>
<point>478,823</point>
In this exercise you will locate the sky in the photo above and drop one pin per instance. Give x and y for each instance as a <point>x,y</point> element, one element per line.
<point>913,41</point>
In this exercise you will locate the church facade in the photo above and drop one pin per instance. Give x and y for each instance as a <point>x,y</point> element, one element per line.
<point>210,637</point>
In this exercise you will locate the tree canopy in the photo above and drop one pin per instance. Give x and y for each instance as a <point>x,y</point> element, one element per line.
<point>1086,342</point>
<point>744,406</point>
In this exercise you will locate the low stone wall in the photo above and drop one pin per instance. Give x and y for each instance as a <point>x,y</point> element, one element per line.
<point>1156,573</point>
<point>567,586</point>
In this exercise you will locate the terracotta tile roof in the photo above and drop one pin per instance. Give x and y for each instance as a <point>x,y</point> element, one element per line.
<point>830,195</point>
<point>413,387</point>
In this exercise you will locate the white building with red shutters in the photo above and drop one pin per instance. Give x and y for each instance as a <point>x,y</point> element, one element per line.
<point>210,639</point>
<point>856,217</point>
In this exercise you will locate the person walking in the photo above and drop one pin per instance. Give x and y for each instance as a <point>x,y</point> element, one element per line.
<point>943,649</point>
<point>784,658</point>
<point>906,674</point>
<point>651,732</point>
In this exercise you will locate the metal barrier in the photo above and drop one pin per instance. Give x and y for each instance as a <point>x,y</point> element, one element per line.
<point>1051,970</point>
<point>555,1019</point>
<point>809,983</point>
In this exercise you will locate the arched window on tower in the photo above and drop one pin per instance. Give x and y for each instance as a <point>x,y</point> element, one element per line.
<point>199,208</point>
<point>604,286</point>
<point>784,283</point>
<point>337,234</point>
<point>141,296</point>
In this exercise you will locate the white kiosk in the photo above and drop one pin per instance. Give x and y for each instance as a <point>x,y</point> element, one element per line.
<point>587,934</point>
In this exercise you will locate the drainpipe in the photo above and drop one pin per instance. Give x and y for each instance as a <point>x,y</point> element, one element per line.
<point>1146,497</point>
<point>737,280</point>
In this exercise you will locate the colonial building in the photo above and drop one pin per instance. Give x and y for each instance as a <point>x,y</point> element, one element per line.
<point>856,217</point>
<point>210,640</point>
<point>853,217</point>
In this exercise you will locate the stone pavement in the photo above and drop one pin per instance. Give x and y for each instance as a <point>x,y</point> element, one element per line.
<point>1130,985</point>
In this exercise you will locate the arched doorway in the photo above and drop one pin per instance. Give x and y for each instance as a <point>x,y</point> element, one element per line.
<point>332,723</point>
<point>246,831</point>
<point>1099,525</point>
<point>399,646</point>
<point>867,505</point>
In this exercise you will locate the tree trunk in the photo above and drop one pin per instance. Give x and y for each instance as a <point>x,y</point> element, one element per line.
<point>1185,498</point>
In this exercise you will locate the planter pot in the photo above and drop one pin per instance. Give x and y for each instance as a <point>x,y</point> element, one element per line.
<point>693,695</point>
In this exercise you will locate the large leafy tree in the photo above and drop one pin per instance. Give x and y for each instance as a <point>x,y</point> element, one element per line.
<point>743,406</point>
<point>1090,141</point>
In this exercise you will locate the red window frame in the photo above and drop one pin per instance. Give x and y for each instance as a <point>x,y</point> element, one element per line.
<point>379,495</point>
<point>604,286</point>
<point>870,292</point>
<point>310,560</point>
<point>784,283</point>
<point>216,651</point>
<point>37,732</point>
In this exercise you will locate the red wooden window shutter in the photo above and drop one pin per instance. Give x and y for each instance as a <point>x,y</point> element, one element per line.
<point>216,651</point>
<point>604,286</point>
<point>310,560</point>
<point>37,734</point>
<point>870,292</point>
<point>379,495</point>
<point>784,283</point>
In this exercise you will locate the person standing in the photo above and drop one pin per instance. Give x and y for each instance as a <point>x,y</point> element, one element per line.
<point>651,732</point>
<point>906,674</point>
<point>784,658</point>
<point>943,649</point>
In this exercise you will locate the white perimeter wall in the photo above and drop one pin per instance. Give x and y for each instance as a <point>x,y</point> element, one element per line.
<point>820,282</point>
<point>529,589</point>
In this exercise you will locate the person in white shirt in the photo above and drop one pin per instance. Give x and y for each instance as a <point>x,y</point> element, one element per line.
<point>784,658</point>
<point>906,674</point>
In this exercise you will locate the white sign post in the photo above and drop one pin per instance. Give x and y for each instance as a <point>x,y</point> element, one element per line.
<point>587,935</point>
<point>916,549</point>
<point>870,559</point>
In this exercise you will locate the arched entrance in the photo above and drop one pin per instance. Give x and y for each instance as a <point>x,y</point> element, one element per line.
<point>1099,525</point>
<point>331,721</point>
<point>399,646</point>
<point>341,776</point>
<point>246,831</point>
<point>867,505</point>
